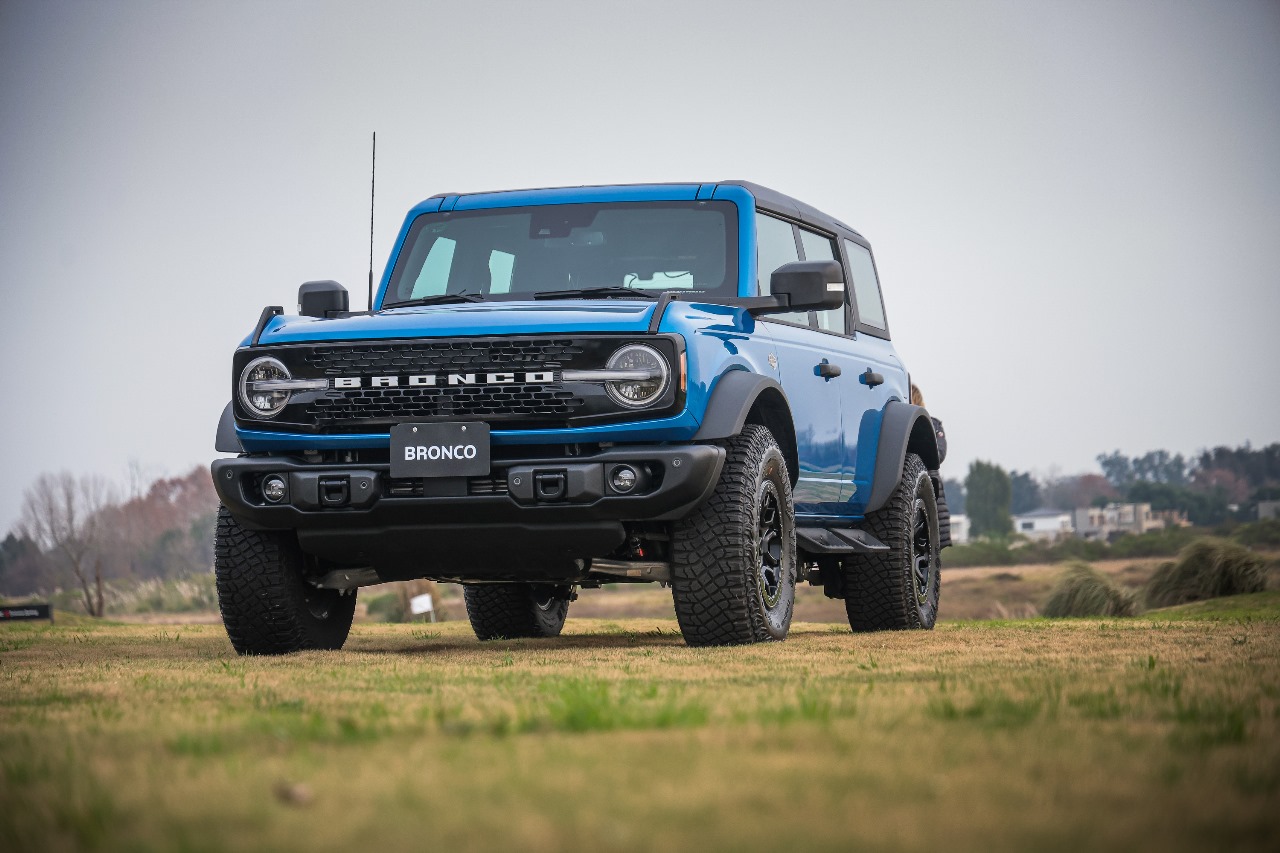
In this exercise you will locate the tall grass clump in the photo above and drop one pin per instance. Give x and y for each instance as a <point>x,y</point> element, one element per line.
<point>1084,591</point>
<point>1260,534</point>
<point>1207,568</point>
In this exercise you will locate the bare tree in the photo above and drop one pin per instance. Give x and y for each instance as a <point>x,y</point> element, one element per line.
<point>64,514</point>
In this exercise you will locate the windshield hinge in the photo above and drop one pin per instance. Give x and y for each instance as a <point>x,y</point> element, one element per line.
<point>263,319</point>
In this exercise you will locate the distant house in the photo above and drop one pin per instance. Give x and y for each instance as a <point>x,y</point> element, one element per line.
<point>1107,522</point>
<point>1171,517</point>
<point>1046,524</point>
<point>959,529</point>
<point>1268,509</point>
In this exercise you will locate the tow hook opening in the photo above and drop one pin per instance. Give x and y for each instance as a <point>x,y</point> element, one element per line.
<point>335,491</point>
<point>550,485</point>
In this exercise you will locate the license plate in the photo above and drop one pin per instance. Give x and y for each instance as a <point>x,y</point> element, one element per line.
<point>439,450</point>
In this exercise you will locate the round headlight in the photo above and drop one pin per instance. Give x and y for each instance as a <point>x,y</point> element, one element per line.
<point>635,393</point>
<point>263,404</point>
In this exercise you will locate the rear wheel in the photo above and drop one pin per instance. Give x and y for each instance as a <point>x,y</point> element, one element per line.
<point>267,605</point>
<point>733,569</point>
<point>899,589</point>
<point>507,611</point>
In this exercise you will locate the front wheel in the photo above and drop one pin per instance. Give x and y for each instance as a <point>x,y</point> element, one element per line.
<point>267,605</point>
<point>899,589</point>
<point>733,567</point>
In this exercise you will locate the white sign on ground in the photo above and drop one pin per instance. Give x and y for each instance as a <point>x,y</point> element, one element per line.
<point>420,604</point>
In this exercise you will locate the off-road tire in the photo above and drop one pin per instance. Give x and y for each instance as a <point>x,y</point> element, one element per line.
<point>727,589</point>
<point>509,611</point>
<point>898,590</point>
<point>267,606</point>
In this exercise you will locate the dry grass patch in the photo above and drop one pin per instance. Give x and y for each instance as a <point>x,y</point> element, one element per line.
<point>1160,731</point>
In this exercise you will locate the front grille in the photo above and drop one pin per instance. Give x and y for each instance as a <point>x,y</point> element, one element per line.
<point>429,356</point>
<point>524,403</point>
<point>529,402</point>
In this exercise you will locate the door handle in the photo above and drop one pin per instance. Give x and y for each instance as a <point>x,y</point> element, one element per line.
<point>827,370</point>
<point>871,379</point>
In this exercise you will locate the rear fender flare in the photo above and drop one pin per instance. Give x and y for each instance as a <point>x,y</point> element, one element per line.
<point>904,429</point>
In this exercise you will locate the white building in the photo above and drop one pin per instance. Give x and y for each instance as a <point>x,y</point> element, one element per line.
<point>1046,524</point>
<point>1107,522</point>
<point>959,529</point>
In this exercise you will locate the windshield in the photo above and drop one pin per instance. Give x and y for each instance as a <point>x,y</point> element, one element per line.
<point>536,252</point>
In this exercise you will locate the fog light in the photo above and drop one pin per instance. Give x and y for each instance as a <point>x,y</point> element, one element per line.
<point>274,488</point>
<point>623,479</point>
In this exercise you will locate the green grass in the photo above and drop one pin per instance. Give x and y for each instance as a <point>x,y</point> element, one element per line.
<point>1156,732</point>
<point>1258,606</point>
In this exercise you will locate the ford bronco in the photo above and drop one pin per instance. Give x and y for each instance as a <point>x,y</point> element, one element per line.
<point>687,384</point>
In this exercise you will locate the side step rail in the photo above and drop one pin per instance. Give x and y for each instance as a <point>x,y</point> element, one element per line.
<point>822,541</point>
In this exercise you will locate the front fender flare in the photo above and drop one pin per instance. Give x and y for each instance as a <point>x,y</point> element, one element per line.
<point>731,402</point>
<point>738,394</point>
<point>227,441</point>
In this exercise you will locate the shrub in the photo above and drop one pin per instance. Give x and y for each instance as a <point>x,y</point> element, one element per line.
<point>1207,568</point>
<point>1260,534</point>
<point>1083,591</point>
<point>387,607</point>
<point>980,552</point>
<point>1155,543</point>
<point>1074,548</point>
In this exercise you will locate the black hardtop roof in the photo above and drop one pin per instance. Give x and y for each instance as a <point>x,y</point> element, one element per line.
<point>771,199</point>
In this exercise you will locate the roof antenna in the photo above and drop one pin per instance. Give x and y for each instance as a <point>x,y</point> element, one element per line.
<point>373,185</point>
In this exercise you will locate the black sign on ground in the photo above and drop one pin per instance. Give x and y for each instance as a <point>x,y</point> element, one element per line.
<point>23,612</point>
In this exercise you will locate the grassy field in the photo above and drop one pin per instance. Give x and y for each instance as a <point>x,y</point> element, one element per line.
<point>1161,732</point>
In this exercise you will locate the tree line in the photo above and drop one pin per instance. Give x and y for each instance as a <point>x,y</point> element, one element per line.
<point>1214,487</point>
<point>79,532</point>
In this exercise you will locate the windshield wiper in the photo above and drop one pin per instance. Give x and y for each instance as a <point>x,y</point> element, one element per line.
<point>601,292</point>
<point>439,299</point>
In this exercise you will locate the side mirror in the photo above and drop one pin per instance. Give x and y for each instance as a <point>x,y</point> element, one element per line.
<point>321,298</point>
<point>808,286</point>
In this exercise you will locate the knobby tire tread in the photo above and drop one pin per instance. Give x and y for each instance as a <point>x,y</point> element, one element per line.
<point>508,611</point>
<point>713,581</point>
<point>263,597</point>
<point>879,595</point>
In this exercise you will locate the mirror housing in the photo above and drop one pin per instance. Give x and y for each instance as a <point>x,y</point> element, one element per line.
<point>806,286</point>
<point>322,299</point>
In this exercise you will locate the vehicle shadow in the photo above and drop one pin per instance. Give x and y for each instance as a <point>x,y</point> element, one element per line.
<point>597,641</point>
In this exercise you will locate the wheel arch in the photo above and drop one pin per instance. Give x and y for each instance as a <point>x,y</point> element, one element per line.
<point>904,429</point>
<point>742,397</point>
<point>226,440</point>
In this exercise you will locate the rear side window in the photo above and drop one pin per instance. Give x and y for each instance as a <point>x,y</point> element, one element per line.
<point>866,288</point>
<point>820,248</point>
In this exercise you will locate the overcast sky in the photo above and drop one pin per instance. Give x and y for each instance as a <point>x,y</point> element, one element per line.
<point>1075,206</point>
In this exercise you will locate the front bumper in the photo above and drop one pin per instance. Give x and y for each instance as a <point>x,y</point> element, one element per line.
<point>529,517</point>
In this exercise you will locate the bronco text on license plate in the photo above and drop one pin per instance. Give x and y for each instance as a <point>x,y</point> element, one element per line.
<point>440,450</point>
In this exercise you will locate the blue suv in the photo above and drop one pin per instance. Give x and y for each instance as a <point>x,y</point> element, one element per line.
<point>689,384</point>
